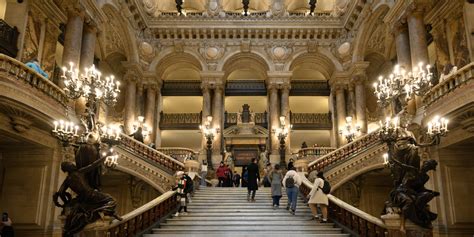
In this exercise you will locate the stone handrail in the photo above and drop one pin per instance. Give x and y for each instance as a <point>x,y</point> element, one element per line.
<point>456,80</point>
<point>345,152</point>
<point>21,72</point>
<point>151,154</point>
<point>144,217</point>
<point>179,153</point>
<point>355,219</point>
<point>314,152</point>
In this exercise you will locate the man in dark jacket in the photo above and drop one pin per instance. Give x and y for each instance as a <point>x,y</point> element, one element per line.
<point>253,177</point>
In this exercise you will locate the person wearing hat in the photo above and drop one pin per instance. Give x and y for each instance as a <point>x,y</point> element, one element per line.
<point>181,191</point>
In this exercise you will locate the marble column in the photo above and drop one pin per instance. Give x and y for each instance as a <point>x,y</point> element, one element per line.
<point>217,121</point>
<point>341,112</point>
<point>332,109</point>
<point>206,111</point>
<point>89,37</point>
<point>72,39</point>
<point>352,101</point>
<point>158,110</point>
<point>150,107</point>
<point>418,44</point>
<point>130,95</point>
<point>274,123</point>
<point>402,44</point>
<point>285,111</point>
<point>361,104</point>
<point>139,101</point>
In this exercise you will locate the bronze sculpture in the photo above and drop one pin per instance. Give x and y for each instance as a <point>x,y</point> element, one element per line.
<point>90,204</point>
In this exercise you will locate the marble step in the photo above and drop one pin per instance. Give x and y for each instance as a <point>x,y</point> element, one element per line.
<point>248,234</point>
<point>264,217</point>
<point>249,213</point>
<point>251,228</point>
<point>261,223</point>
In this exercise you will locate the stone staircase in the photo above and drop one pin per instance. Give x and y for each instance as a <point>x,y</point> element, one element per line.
<point>226,212</point>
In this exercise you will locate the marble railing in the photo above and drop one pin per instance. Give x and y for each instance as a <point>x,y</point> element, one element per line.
<point>359,222</point>
<point>312,153</point>
<point>180,120</point>
<point>450,84</point>
<point>178,153</point>
<point>145,152</point>
<point>346,152</point>
<point>311,120</point>
<point>18,72</point>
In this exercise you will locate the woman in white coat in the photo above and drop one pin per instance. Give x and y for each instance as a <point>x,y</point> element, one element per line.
<point>318,197</point>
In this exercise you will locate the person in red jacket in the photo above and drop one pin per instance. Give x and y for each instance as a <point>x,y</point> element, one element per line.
<point>221,174</point>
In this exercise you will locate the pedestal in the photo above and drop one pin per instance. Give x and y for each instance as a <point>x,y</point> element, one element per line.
<point>393,223</point>
<point>96,229</point>
<point>192,166</point>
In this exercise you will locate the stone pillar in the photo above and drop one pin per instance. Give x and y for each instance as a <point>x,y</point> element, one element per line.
<point>285,111</point>
<point>274,123</point>
<point>418,46</point>
<point>89,37</point>
<point>206,111</point>
<point>139,101</point>
<point>352,102</point>
<point>341,113</point>
<point>360,105</point>
<point>332,109</point>
<point>217,122</point>
<point>402,44</point>
<point>130,95</point>
<point>73,39</point>
<point>158,110</point>
<point>150,107</point>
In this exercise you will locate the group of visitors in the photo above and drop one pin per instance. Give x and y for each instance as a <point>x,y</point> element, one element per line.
<point>184,187</point>
<point>291,181</point>
<point>226,177</point>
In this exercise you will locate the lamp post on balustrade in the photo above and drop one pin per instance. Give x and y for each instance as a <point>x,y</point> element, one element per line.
<point>209,133</point>
<point>349,131</point>
<point>282,133</point>
<point>409,198</point>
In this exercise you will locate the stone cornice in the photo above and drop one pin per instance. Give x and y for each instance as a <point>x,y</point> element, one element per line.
<point>212,79</point>
<point>279,79</point>
<point>441,11</point>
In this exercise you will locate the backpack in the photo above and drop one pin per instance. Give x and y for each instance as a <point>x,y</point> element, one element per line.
<point>289,182</point>
<point>326,187</point>
<point>189,184</point>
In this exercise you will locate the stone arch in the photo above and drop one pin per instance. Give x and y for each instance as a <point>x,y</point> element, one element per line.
<point>366,30</point>
<point>245,60</point>
<point>359,172</point>
<point>324,65</point>
<point>169,62</point>
<point>118,36</point>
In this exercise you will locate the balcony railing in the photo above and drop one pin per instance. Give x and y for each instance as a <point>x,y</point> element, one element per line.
<point>359,222</point>
<point>449,84</point>
<point>311,120</point>
<point>150,154</point>
<point>345,152</point>
<point>312,153</point>
<point>18,71</point>
<point>8,39</point>
<point>178,153</point>
<point>258,118</point>
<point>180,120</point>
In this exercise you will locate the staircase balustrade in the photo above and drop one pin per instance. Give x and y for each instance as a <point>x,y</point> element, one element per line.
<point>449,84</point>
<point>312,153</point>
<point>144,217</point>
<point>178,153</point>
<point>359,222</point>
<point>345,152</point>
<point>15,70</point>
<point>151,154</point>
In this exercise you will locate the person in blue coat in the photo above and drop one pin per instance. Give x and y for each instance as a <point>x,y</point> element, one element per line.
<point>34,64</point>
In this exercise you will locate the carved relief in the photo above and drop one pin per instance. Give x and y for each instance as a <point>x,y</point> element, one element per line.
<point>49,48</point>
<point>279,54</point>
<point>458,41</point>
<point>112,36</point>
<point>151,7</point>
<point>32,37</point>
<point>214,8</point>
<point>377,39</point>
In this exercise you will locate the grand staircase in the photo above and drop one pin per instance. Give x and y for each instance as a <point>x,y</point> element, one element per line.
<point>226,212</point>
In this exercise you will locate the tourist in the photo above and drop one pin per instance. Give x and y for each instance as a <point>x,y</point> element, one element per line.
<point>6,226</point>
<point>228,177</point>
<point>291,182</point>
<point>180,188</point>
<point>290,164</point>
<point>317,196</point>
<point>236,179</point>
<point>189,189</point>
<point>221,174</point>
<point>244,176</point>
<point>276,177</point>
<point>138,135</point>
<point>34,64</point>
<point>253,178</point>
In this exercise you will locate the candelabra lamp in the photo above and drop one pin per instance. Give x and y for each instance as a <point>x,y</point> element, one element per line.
<point>349,131</point>
<point>209,133</point>
<point>408,197</point>
<point>282,133</point>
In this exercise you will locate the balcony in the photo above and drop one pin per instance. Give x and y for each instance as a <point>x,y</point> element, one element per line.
<point>311,121</point>
<point>8,39</point>
<point>180,121</point>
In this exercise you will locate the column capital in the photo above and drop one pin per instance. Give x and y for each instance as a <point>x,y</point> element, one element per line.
<point>134,72</point>
<point>74,8</point>
<point>400,27</point>
<point>417,8</point>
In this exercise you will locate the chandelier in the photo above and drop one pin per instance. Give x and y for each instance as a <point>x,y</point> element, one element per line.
<point>403,84</point>
<point>91,85</point>
<point>349,132</point>
<point>282,131</point>
<point>95,88</point>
